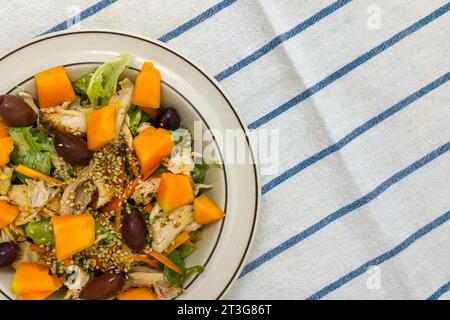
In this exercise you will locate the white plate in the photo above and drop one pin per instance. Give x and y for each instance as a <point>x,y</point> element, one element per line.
<point>198,97</point>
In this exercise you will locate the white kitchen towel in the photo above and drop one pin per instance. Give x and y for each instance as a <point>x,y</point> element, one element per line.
<point>360,203</point>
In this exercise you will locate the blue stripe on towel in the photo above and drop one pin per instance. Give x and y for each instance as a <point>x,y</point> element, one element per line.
<point>345,210</point>
<point>83,15</point>
<point>354,134</point>
<point>197,20</point>
<point>349,67</point>
<point>382,258</point>
<point>280,39</point>
<point>440,292</point>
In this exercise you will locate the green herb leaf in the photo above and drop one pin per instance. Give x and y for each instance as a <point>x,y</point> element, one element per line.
<point>185,250</point>
<point>177,257</point>
<point>100,230</point>
<point>196,269</point>
<point>63,170</point>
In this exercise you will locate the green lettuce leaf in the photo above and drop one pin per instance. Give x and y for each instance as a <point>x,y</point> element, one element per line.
<point>32,148</point>
<point>135,115</point>
<point>81,85</point>
<point>198,175</point>
<point>199,172</point>
<point>103,83</point>
<point>177,257</point>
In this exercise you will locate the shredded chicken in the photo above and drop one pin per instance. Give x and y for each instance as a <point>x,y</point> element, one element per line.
<point>77,196</point>
<point>38,193</point>
<point>53,207</point>
<point>65,120</point>
<point>147,277</point>
<point>122,101</point>
<point>193,226</point>
<point>19,196</point>
<point>127,136</point>
<point>26,254</point>
<point>101,175</point>
<point>167,226</point>
<point>30,198</point>
<point>9,234</point>
<point>61,166</point>
<point>6,174</point>
<point>181,162</point>
<point>5,237</point>
<point>145,191</point>
<point>199,186</point>
<point>182,159</point>
<point>144,126</point>
<point>75,282</point>
<point>156,211</point>
<point>27,217</point>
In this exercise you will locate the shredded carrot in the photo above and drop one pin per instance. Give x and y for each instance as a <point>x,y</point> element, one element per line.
<point>118,217</point>
<point>37,248</point>
<point>30,173</point>
<point>148,208</point>
<point>164,260</point>
<point>127,193</point>
<point>179,240</point>
<point>123,174</point>
<point>150,262</point>
<point>111,206</point>
<point>132,162</point>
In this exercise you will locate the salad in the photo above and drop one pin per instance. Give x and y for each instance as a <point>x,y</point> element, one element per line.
<point>100,189</point>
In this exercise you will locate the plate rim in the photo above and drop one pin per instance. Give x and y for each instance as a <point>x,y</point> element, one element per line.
<point>215,83</point>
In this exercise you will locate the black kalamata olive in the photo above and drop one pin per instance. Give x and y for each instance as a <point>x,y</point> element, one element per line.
<point>102,288</point>
<point>16,112</point>
<point>168,118</point>
<point>8,253</point>
<point>134,230</point>
<point>72,149</point>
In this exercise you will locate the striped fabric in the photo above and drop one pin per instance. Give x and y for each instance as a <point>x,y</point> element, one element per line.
<point>359,91</point>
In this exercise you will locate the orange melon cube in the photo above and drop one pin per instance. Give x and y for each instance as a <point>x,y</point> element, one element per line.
<point>53,87</point>
<point>101,127</point>
<point>175,191</point>
<point>73,234</point>
<point>152,146</point>
<point>8,213</point>
<point>147,90</point>
<point>206,211</point>
<point>138,294</point>
<point>35,296</point>
<point>6,147</point>
<point>34,277</point>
